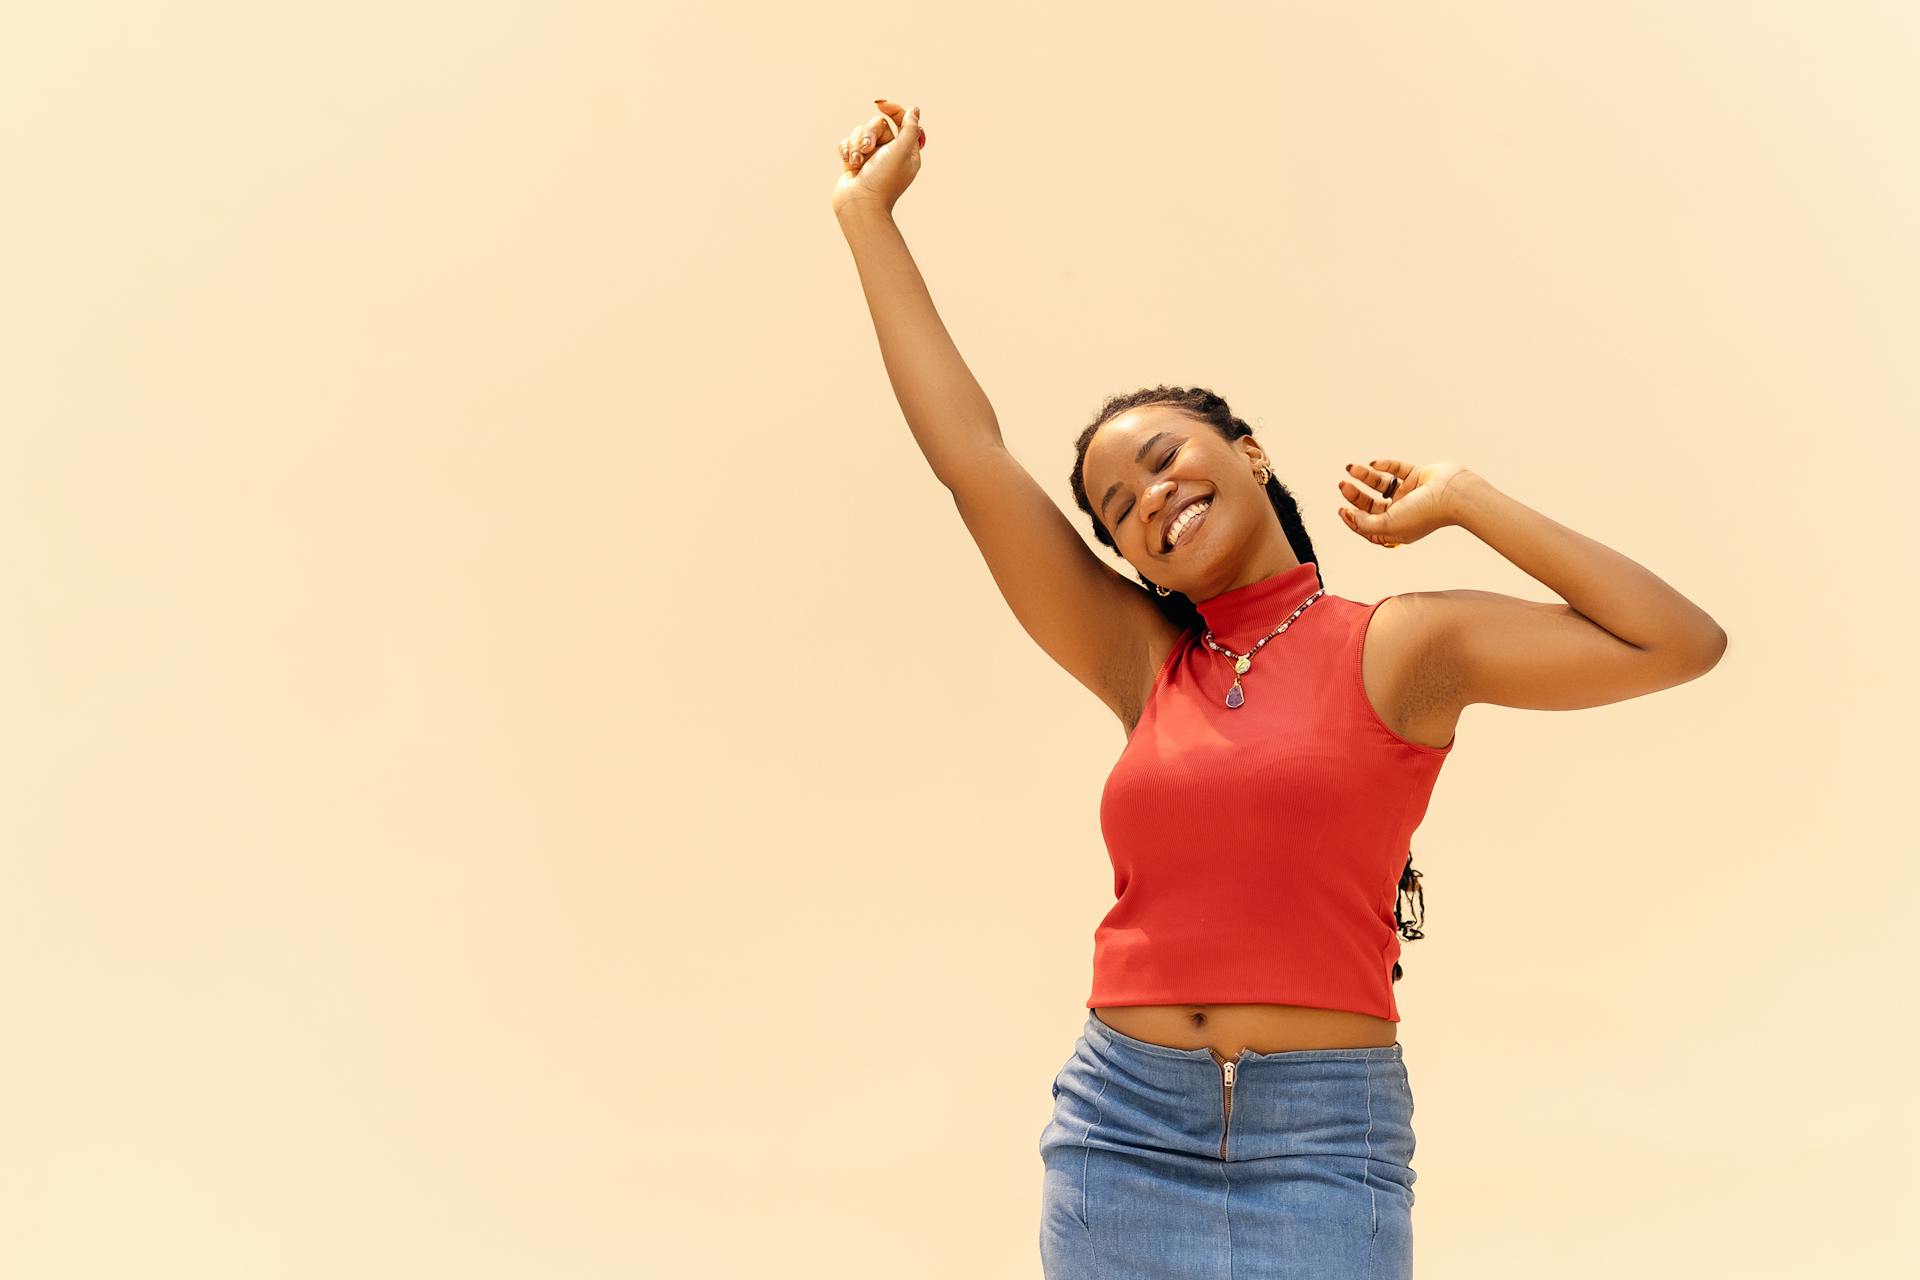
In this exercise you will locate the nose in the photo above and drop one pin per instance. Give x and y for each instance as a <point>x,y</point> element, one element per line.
<point>1155,498</point>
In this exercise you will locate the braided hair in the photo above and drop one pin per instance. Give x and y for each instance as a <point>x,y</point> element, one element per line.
<point>1203,405</point>
<point>1416,899</point>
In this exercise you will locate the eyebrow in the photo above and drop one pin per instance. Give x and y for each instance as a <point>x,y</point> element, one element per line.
<point>1114,488</point>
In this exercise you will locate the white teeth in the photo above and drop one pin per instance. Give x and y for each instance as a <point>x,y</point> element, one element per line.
<point>1186,518</point>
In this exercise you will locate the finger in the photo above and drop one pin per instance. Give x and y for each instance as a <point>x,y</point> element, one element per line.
<point>1356,521</point>
<point>896,115</point>
<point>1372,501</point>
<point>1369,527</point>
<point>865,141</point>
<point>1395,477</point>
<point>1376,480</point>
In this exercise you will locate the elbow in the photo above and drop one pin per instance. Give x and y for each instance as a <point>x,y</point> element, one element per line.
<point>1691,655</point>
<point>1708,651</point>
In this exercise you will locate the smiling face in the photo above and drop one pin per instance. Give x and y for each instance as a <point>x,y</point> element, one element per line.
<point>1146,466</point>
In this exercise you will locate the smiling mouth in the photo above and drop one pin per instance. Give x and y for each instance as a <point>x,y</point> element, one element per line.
<point>1207,504</point>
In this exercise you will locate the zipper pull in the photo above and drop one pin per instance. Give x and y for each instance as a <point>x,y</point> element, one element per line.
<point>1228,1068</point>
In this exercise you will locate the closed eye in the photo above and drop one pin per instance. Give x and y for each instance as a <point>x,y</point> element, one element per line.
<point>1164,464</point>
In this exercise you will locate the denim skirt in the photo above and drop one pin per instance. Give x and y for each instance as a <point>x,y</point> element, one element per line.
<point>1170,1163</point>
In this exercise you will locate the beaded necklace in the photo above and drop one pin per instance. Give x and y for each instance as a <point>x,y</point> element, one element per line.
<point>1242,661</point>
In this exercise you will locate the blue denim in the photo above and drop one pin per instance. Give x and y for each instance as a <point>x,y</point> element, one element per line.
<point>1317,1181</point>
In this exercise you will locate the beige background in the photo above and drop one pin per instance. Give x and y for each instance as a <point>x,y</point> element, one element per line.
<point>515,768</point>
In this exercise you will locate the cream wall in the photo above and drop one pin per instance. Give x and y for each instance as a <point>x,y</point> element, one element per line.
<point>515,768</point>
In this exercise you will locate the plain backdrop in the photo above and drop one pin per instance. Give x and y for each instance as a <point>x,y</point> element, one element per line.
<point>515,768</point>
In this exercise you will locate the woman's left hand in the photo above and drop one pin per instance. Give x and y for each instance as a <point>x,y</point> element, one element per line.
<point>1419,504</point>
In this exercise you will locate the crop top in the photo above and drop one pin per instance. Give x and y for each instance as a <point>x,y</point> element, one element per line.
<point>1257,850</point>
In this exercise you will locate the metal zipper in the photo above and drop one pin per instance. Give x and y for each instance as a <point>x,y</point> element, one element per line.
<point>1226,1102</point>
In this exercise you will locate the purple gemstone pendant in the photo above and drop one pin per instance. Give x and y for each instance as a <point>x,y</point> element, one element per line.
<point>1234,696</point>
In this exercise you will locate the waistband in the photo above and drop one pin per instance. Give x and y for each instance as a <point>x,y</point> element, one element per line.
<point>1110,1039</point>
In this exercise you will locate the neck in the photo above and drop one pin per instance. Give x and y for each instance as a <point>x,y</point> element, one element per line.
<point>1242,614</point>
<point>1257,573</point>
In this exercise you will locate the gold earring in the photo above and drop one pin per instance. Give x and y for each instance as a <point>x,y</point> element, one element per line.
<point>1263,476</point>
<point>1163,591</point>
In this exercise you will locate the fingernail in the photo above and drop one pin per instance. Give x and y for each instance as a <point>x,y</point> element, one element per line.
<point>867,141</point>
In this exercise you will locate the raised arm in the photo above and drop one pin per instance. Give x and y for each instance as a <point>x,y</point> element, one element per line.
<point>1096,624</point>
<point>945,408</point>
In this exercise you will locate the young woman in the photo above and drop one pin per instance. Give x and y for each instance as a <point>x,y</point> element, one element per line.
<point>1237,1104</point>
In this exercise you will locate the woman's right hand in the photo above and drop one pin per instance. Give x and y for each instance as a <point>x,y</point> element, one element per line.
<point>876,164</point>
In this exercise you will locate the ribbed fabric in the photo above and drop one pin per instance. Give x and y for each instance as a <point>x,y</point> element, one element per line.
<point>1257,850</point>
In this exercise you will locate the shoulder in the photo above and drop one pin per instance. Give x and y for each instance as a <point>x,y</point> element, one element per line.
<point>1408,620</point>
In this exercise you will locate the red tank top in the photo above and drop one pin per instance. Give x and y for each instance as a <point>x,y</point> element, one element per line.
<point>1257,850</point>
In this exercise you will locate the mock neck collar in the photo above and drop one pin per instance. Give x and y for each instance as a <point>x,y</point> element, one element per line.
<point>1241,616</point>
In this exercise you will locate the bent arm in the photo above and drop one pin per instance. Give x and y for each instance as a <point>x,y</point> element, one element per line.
<point>1598,583</point>
<point>945,408</point>
<point>1623,632</point>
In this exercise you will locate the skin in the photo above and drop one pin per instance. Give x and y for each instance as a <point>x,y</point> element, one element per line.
<point>1618,631</point>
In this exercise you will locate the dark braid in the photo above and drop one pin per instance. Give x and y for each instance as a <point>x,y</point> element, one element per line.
<point>1417,901</point>
<point>1203,405</point>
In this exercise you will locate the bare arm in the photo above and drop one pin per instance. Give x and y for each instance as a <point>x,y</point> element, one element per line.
<point>1624,600</point>
<point>945,408</point>
<point>1096,624</point>
<point>1622,632</point>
